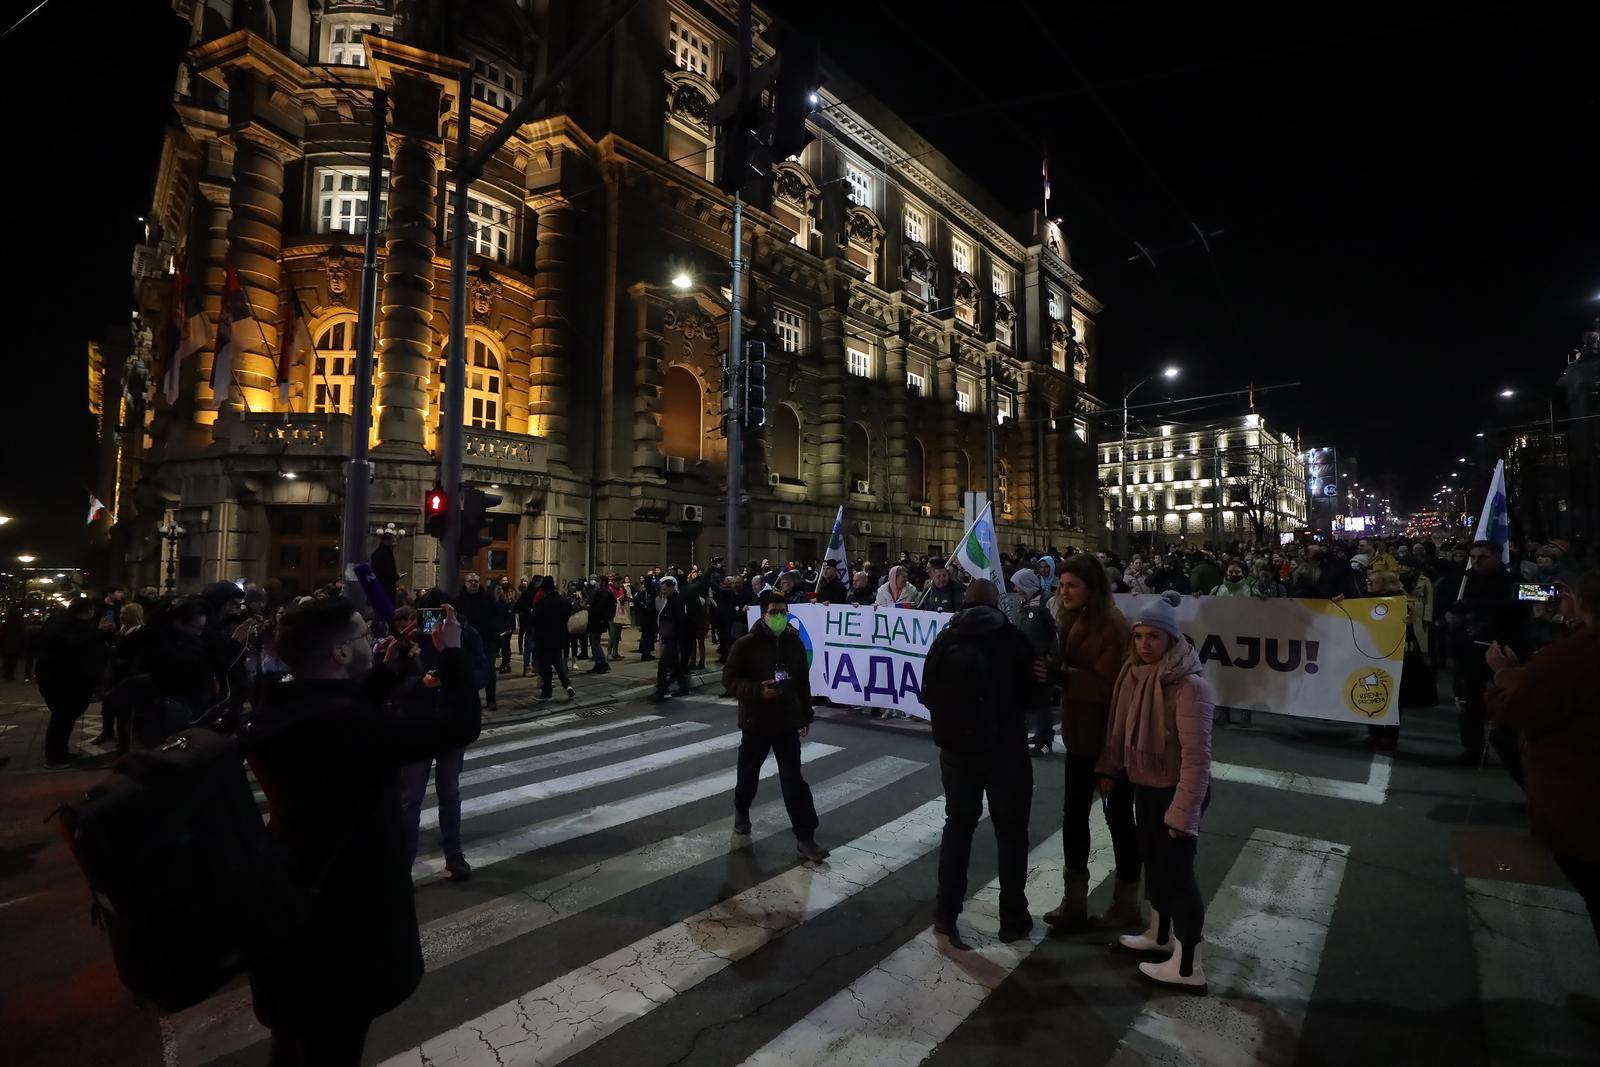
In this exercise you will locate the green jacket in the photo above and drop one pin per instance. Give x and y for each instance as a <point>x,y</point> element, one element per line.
<point>755,658</point>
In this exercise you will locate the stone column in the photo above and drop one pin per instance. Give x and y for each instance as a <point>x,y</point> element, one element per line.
<point>207,264</point>
<point>830,408</point>
<point>894,491</point>
<point>405,321</point>
<point>255,238</point>
<point>1022,450</point>
<point>949,450</point>
<point>647,382</point>
<point>551,349</point>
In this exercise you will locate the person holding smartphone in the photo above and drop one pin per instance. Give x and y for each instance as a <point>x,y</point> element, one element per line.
<point>768,674</point>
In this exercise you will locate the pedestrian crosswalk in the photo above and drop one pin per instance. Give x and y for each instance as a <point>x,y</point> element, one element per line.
<point>611,910</point>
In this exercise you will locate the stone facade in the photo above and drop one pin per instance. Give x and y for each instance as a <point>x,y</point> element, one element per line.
<point>594,383</point>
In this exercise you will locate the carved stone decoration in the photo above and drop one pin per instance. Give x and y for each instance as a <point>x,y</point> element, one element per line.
<point>919,261</point>
<point>789,186</point>
<point>1003,311</point>
<point>966,290</point>
<point>861,227</point>
<point>333,261</point>
<point>689,97</point>
<point>691,321</point>
<point>481,295</point>
<point>1058,332</point>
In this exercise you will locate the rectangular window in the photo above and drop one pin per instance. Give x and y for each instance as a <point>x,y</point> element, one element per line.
<point>916,225</point>
<point>1002,408</point>
<point>916,382</point>
<point>1057,302</point>
<point>690,48</point>
<point>860,183</point>
<point>859,363</point>
<point>492,224</point>
<point>342,200</point>
<point>1000,281</point>
<point>1081,428</point>
<point>963,396</point>
<point>960,254</point>
<point>790,328</point>
<point>495,84</point>
<point>1183,497</point>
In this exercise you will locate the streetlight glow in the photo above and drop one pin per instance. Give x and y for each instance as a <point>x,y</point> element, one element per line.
<point>1508,393</point>
<point>4,519</point>
<point>1170,372</point>
<point>26,559</point>
<point>682,281</point>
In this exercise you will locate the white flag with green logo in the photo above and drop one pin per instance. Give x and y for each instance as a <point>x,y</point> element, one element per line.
<point>836,553</point>
<point>978,554</point>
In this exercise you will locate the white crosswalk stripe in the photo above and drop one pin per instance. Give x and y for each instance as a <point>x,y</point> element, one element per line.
<point>593,750</point>
<point>554,737</point>
<point>572,1012</point>
<point>572,783</point>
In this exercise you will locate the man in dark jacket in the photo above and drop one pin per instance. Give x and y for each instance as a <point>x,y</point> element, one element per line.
<point>550,637</point>
<point>672,626</point>
<point>383,565</point>
<point>830,590</point>
<point>326,748</point>
<point>980,678</point>
<point>1487,612</point>
<point>602,607</point>
<point>477,608</point>
<point>644,607</point>
<point>768,674</point>
<point>1039,627</point>
<point>70,660</point>
<point>944,593</point>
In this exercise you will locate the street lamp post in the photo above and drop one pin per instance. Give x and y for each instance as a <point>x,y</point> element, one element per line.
<point>1122,459</point>
<point>171,533</point>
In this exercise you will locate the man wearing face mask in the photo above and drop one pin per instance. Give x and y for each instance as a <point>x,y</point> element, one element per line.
<point>768,674</point>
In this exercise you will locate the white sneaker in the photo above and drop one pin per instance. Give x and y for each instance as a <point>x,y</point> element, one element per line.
<point>1170,972</point>
<point>1146,942</point>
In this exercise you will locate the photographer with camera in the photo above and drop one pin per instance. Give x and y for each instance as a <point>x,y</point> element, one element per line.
<point>768,674</point>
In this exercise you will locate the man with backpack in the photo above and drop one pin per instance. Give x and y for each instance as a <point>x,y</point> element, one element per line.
<point>981,677</point>
<point>327,747</point>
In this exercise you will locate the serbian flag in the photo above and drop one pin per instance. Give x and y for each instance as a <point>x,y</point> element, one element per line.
<point>96,509</point>
<point>1047,183</point>
<point>296,338</point>
<point>222,359</point>
<point>172,336</point>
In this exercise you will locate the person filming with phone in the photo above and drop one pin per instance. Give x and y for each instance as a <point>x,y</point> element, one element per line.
<point>768,674</point>
<point>1485,613</point>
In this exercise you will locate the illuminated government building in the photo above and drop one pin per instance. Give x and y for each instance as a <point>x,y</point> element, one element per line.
<point>884,279</point>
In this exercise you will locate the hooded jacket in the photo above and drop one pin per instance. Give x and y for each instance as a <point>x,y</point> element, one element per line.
<point>978,684</point>
<point>327,754</point>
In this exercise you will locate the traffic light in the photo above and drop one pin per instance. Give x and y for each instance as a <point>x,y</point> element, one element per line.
<point>740,156</point>
<point>436,512</point>
<point>794,94</point>
<point>754,369</point>
<point>475,507</point>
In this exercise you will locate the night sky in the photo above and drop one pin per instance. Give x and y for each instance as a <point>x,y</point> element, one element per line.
<point>1406,199</point>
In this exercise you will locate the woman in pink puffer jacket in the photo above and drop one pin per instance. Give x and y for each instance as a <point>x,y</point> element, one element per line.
<point>1159,735</point>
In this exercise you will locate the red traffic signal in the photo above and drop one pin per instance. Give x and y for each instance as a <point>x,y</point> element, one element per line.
<point>436,509</point>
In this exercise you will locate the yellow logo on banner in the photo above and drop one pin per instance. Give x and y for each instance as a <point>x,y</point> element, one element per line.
<point>1370,692</point>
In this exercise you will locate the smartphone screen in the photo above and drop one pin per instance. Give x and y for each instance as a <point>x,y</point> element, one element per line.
<point>780,676</point>
<point>1534,591</point>
<point>429,618</point>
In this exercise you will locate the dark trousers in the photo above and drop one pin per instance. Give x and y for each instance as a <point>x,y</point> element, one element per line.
<point>490,684</point>
<point>11,667</point>
<point>647,639</point>
<point>615,639</point>
<point>1169,865</point>
<point>670,667</point>
<point>686,653</point>
<point>1044,724</point>
<point>578,646</point>
<point>1008,782</point>
<point>324,1043</point>
<point>1585,878</point>
<point>1470,722</point>
<point>552,660</point>
<point>1081,794</point>
<point>505,651</point>
<point>446,786</point>
<point>785,747</point>
<point>67,705</point>
<point>597,650</point>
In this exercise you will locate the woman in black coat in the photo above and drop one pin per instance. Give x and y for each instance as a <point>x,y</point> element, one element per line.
<point>550,617</point>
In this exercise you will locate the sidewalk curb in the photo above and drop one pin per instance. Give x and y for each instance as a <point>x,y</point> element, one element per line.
<point>539,709</point>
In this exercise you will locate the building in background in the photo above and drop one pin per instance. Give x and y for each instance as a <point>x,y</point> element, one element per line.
<point>1231,479</point>
<point>1552,452</point>
<point>884,279</point>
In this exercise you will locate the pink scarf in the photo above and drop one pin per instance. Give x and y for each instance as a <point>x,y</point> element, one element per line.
<point>1136,736</point>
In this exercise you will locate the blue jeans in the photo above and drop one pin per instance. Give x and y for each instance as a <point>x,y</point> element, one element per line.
<point>530,653</point>
<point>447,786</point>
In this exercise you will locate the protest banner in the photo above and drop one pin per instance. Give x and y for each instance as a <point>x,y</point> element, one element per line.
<point>1313,659</point>
<point>866,656</point>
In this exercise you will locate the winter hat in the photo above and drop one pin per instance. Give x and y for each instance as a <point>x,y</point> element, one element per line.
<point>1159,611</point>
<point>669,580</point>
<point>1362,560</point>
<point>1026,583</point>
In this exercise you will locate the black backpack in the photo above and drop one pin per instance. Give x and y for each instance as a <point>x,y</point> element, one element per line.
<point>183,877</point>
<point>959,690</point>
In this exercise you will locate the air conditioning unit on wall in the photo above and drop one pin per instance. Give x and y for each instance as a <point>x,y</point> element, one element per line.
<point>863,527</point>
<point>863,487</point>
<point>785,522</point>
<point>675,464</point>
<point>773,479</point>
<point>693,513</point>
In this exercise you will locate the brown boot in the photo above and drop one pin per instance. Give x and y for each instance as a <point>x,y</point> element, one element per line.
<point>1124,910</point>
<point>1073,914</point>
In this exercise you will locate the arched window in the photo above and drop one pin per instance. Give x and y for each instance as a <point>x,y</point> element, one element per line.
<point>682,431</point>
<point>916,471</point>
<point>483,385</point>
<point>784,432</point>
<point>858,458</point>
<point>333,381</point>
<point>963,473</point>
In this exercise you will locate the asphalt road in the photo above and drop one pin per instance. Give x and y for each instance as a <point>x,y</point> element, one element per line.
<point>1360,909</point>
